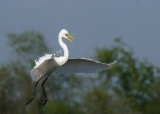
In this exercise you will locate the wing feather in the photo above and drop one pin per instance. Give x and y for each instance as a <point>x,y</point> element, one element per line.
<point>82,66</point>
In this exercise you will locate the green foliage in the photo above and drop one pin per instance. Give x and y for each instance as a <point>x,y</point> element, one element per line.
<point>30,43</point>
<point>131,86</point>
<point>131,78</point>
<point>57,107</point>
<point>98,101</point>
<point>15,79</point>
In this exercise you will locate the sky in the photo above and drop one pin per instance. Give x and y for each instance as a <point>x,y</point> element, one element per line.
<point>93,23</point>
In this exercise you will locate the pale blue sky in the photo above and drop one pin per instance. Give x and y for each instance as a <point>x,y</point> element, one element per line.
<point>93,23</point>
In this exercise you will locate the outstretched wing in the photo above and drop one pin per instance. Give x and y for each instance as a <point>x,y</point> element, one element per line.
<point>82,66</point>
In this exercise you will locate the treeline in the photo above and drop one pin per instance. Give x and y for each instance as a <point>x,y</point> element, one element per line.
<point>130,87</point>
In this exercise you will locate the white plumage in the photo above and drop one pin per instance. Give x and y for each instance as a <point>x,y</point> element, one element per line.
<point>42,59</point>
<point>61,64</point>
<point>55,63</point>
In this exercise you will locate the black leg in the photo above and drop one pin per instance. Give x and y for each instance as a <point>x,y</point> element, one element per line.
<point>45,100</point>
<point>33,92</point>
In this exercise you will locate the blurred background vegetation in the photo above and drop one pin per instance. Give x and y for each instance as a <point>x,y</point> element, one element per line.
<point>130,87</point>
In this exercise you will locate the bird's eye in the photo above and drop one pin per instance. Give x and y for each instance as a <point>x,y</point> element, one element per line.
<point>66,34</point>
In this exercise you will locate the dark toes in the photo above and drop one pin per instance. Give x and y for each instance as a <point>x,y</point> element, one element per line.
<point>29,101</point>
<point>43,104</point>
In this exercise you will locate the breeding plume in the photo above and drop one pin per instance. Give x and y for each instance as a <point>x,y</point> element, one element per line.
<point>58,64</point>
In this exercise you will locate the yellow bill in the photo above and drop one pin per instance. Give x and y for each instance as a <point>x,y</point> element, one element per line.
<point>71,37</point>
<point>68,37</point>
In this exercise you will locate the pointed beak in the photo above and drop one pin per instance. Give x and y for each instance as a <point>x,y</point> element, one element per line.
<point>69,38</point>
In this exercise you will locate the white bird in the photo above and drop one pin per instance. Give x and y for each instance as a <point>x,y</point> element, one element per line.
<point>58,64</point>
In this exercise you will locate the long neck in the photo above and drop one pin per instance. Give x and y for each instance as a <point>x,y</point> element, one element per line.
<point>64,58</point>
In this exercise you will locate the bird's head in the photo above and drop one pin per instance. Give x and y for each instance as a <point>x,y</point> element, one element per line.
<point>64,34</point>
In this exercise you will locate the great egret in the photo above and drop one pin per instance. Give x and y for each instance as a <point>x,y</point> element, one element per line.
<point>61,64</point>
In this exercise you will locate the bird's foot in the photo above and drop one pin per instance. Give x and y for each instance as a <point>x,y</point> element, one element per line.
<point>43,103</point>
<point>29,101</point>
